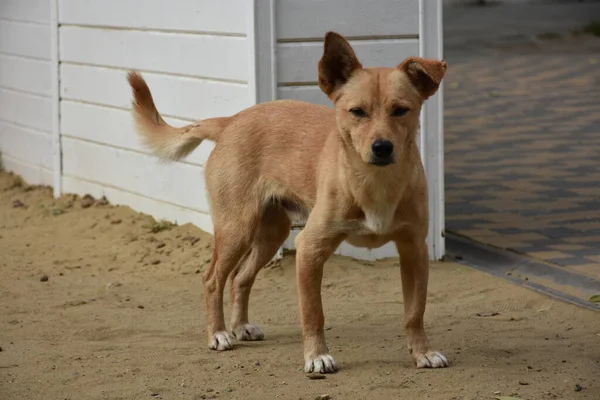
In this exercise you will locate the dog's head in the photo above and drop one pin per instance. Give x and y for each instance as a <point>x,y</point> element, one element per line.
<point>377,109</point>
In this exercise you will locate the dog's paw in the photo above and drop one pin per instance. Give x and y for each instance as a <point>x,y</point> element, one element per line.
<point>431,359</point>
<point>248,332</point>
<point>322,364</point>
<point>220,341</point>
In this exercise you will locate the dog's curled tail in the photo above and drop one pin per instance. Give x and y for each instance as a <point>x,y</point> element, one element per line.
<point>167,142</point>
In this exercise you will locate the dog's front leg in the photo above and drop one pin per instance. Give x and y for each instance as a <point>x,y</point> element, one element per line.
<point>312,250</point>
<point>414,260</point>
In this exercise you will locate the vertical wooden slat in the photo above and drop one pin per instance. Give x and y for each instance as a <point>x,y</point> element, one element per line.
<point>432,126</point>
<point>251,40</point>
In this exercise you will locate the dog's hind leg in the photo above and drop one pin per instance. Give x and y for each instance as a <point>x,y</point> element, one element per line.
<point>271,232</point>
<point>230,246</point>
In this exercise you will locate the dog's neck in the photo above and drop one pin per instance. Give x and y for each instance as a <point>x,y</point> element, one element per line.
<point>376,190</point>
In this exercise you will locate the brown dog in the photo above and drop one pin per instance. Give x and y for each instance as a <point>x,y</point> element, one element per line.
<point>355,172</point>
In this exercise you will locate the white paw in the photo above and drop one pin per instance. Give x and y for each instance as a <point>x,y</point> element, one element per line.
<point>431,359</point>
<point>248,332</point>
<point>220,341</point>
<point>322,364</point>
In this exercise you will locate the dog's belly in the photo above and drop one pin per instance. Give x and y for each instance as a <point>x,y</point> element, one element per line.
<point>368,241</point>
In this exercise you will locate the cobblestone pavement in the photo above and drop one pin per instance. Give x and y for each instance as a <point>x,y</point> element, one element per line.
<point>522,126</point>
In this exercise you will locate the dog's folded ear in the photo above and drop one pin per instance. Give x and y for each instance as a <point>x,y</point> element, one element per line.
<point>425,74</point>
<point>337,64</point>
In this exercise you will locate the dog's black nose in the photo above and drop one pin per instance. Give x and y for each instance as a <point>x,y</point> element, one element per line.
<point>382,148</point>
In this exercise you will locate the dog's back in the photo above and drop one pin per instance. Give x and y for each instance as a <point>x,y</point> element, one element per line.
<point>271,145</point>
<point>278,124</point>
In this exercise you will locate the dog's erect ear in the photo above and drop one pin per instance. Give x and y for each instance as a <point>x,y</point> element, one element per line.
<point>425,74</point>
<point>337,64</point>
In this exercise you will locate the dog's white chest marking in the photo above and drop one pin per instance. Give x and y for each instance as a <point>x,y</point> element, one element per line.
<point>379,218</point>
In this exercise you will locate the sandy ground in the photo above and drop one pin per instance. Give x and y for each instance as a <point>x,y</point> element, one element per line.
<point>95,305</point>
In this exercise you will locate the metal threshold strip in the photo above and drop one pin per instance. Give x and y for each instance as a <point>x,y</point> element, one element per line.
<point>544,278</point>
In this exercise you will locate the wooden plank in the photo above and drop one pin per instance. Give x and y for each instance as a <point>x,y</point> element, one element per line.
<point>266,42</point>
<point>311,19</point>
<point>113,127</point>
<point>24,39</point>
<point>432,126</point>
<point>24,109</point>
<point>32,174</point>
<point>26,145</point>
<point>311,94</point>
<point>218,57</point>
<point>386,251</point>
<point>178,184</point>
<point>25,74</point>
<point>297,62</point>
<point>181,15</point>
<point>174,95</point>
<point>251,48</point>
<point>26,10</point>
<point>156,208</point>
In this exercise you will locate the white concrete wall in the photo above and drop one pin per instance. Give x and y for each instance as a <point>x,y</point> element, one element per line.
<point>194,57</point>
<point>25,89</point>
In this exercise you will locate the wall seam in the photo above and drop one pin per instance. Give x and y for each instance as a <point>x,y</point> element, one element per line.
<point>56,142</point>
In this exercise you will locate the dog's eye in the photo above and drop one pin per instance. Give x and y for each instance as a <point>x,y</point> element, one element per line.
<point>399,111</point>
<point>358,112</point>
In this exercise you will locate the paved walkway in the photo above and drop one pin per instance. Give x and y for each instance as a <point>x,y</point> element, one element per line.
<point>522,125</point>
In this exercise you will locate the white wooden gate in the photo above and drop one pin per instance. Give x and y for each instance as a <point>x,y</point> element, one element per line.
<point>64,101</point>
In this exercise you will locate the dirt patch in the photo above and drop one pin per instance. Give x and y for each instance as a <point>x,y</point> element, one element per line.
<point>100,302</point>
